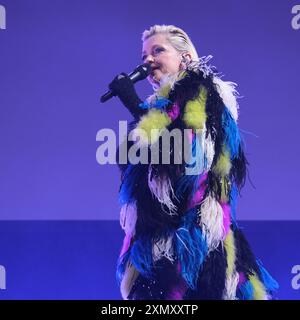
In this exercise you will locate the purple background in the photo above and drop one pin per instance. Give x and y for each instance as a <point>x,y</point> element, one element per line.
<point>56,59</point>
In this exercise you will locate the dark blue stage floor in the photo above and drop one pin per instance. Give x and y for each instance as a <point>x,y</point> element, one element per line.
<point>76,259</point>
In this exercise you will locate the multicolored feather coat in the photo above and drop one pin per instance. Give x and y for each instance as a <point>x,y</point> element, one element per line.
<point>182,240</point>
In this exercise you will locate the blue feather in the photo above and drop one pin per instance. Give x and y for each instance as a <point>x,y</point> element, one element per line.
<point>269,282</point>
<point>233,202</point>
<point>131,177</point>
<point>141,256</point>
<point>187,183</point>
<point>196,154</point>
<point>232,135</point>
<point>191,248</point>
<point>245,291</point>
<point>159,103</point>
<point>190,181</point>
<point>121,266</point>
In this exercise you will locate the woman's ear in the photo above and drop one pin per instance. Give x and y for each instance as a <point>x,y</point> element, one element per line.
<point>186,58</point>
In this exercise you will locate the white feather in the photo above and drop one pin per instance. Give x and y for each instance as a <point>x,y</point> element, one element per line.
<point>128,280</point>
<point>163,248</point>
<point>211,222</point>
<point>208,147</point>
<point>128,217</point>
<point>231,286</point>
<point>209,151</point>
<point>161,188</point>
<point>228,93</point>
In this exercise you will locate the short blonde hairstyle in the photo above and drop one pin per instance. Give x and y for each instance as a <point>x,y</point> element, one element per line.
<point>176,36</point>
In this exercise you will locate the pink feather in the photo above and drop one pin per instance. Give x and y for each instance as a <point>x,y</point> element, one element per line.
<point>198,195</point>
<point>126,243</point>
<point>242,278</point>
<point>173,113</point>
<point>226,217</point>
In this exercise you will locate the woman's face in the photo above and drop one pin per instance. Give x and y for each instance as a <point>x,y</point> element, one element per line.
<point>162,56</point>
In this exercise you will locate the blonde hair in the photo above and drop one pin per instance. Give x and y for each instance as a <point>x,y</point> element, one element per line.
<point>176,36</point>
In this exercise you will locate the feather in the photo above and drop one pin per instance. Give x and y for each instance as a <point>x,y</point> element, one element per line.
<point>228,93</point>
<point>245,291</point>
<point>198,195</point>
<point>159,103</point>
<point>130,179</point>
<point>232,276</point>
<point>226,217</point>
<point>233,202</point>
<point>242,278</point>
<point>128,217</point>
<point>223,165</point>
<point>194,112</point>
<point>211,281</point>
<point>259,291</point>
<point>128,280</point>
<point>232,138</point>
<point>230,252</point>
<point>231,284</point>
<point>141,256</point>
<point>191,248</point>
<point>200,154</point>
<point>209,151</point>
<point>126,244</point>
<point>163,247</point>
<point>150,127</point>
<point>195,155</point>
<point>211,221</point>
<point>174,112</point>
<point>270,283</point>
<point>161,188</point>
<point>121,265</point>
<point>245,259</point>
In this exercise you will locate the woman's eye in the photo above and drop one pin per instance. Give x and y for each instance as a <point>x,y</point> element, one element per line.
<point>157,50</point>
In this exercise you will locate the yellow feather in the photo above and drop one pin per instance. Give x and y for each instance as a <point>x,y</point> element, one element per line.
<point>230,250</point>
<point>224,190</point>
<point>223,164</point>
<point>194,114</point>
<point>154,119</point>
<point>259,291</point>
<point>164,91</point>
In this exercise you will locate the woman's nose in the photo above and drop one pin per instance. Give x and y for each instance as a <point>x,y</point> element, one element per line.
<point>149,59</point>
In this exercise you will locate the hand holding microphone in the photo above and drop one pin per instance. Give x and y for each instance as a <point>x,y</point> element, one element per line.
<point>122,86</point>
<point>118,84</point>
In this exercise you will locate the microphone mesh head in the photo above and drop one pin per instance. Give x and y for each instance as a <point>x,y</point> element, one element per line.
<point>144,69</point>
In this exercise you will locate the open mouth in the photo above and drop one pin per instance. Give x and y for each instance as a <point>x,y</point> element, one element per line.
<point>153,69</point>
<point>152,74</point>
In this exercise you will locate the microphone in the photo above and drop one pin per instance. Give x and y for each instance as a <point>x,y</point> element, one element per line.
<point>139,73</point>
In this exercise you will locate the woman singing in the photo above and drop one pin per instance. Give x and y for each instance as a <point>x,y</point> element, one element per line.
<point>182,240</point>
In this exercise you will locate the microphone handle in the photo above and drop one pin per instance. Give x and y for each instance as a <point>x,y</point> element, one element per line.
<point>107,95</point>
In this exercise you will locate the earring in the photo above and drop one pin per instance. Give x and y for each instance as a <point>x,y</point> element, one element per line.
<point>183,59</point>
